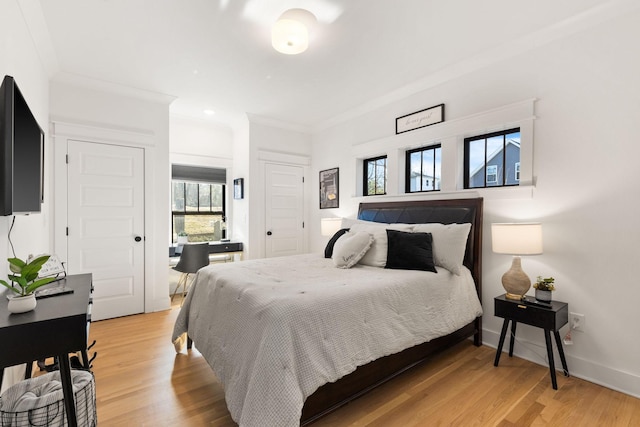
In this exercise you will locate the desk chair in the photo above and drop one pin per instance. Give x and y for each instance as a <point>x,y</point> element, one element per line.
<point>192,259</point>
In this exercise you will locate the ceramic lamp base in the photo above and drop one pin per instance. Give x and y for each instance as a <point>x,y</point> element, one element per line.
<point>515,281</point>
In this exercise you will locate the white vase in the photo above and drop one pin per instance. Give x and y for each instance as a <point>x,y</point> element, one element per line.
<point>23,304</point>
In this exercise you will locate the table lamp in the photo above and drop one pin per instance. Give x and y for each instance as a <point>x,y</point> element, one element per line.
<point>516,239</point>
<point>330,226</point>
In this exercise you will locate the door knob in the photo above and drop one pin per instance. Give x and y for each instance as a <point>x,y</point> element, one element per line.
<point>137,238</point>
<point>269,233</point>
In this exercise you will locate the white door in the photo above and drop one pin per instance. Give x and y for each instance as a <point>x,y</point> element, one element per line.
<point>284,210</point>
<point>106,224</point>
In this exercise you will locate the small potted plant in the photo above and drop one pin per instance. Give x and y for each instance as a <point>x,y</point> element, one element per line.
<point>24,282</point>
<point>544,287</point>
<point>183,238</point>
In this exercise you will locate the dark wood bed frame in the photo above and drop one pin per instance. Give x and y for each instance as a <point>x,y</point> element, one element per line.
<point>367,377</point>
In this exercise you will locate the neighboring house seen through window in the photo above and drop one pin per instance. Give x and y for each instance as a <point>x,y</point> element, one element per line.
<point>492,160</point>
<point>375,176</point>
<point>423,169</point>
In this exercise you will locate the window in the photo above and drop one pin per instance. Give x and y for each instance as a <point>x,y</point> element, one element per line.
<point>198,209</point>
<point>492,174</point>
<point>198,202</point>
<point>375,176</point>
<point>423,172</point>
<point>492,160</point>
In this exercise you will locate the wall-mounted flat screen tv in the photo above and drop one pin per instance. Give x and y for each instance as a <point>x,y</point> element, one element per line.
<point>22,151</point>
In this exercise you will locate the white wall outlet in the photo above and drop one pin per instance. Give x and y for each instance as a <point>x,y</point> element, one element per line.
<point>576,320</point>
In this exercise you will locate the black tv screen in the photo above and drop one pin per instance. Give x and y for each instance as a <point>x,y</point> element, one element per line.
<point>22,149</point>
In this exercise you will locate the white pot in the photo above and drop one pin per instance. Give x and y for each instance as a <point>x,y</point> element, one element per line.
<point>183,240</point>
<point>20,304</point>
<point>544,296</point>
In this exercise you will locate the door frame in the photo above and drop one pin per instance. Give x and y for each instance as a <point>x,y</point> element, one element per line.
<point>257,226</point>
<point>61,133</point>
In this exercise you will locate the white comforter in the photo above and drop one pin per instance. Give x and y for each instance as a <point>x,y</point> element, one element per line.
<point>274,330</point>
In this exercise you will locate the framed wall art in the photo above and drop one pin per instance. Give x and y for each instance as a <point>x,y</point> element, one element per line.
<point>420,119</point>
<point>238,188</point>
<point>329,196</point>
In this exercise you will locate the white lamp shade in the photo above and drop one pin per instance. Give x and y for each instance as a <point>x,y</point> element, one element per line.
<point>330,226</point>
<point>290,33</point>
<point>516,238</point>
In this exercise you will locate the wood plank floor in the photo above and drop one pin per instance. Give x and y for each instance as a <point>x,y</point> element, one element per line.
<point>142,382</point>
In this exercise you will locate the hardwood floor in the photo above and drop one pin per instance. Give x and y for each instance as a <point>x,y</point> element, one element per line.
<point>142,382</point>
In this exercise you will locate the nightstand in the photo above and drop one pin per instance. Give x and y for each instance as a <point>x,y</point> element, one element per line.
<point>549,319</point>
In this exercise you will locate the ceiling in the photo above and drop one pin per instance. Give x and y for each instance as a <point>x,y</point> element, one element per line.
<point>217,54</point>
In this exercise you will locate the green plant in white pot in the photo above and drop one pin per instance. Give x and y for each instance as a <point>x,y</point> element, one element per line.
<point>544,287</point>
<point>183,238</point>
<point>24,282</point>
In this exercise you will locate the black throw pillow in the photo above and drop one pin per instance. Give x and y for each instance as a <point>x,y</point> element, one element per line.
<point>410,251</point>
<point>328,250</point>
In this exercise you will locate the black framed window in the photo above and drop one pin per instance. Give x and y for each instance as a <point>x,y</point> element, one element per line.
<point>375,176</point>
<point>198,209</point>
<point>492,160</point>
<point>423,169</point>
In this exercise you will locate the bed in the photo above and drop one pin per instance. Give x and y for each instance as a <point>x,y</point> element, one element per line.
<point>293,338</point>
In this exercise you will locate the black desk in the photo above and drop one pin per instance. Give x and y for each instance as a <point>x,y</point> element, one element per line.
<point>550,319</point>
<point>215,248</point>
<point>57,327</point>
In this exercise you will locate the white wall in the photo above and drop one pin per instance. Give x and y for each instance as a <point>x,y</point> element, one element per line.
<point>241,169</point>
<point>120,119</point>
<point>19,58</point>
<point>201,143</point>
<point>257,143</point>
<point>585,153</point>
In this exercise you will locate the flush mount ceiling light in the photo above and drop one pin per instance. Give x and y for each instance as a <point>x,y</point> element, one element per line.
<point>290,33</point>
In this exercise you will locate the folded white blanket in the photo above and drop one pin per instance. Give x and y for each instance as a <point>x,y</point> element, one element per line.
<point>274,330</point>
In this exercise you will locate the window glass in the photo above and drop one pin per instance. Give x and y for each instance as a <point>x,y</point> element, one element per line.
<point>424,169</point>
<point>492,175</point>
<point>177,196</point>
<point>197,209</point>
<point>415,171</point>
<point>191,197</point>
<point>204,196</point>
<point>375,179</point>
<point>492,160</point>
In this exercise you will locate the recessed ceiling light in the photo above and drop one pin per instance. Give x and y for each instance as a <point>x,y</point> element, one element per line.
<point>209,112</point>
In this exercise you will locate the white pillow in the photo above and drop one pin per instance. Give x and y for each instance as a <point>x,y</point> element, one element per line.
<point>377,255</point>
<point>449,244</point>
<point>350,248</point>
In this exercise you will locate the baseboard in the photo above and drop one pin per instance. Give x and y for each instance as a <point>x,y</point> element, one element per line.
<point>587,370</point>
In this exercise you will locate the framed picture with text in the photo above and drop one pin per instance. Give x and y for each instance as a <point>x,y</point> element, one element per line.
<point>329,196</point>
<point>420,119</point>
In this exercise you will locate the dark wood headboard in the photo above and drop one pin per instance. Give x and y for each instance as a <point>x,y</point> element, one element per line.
<point>451,211</point>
